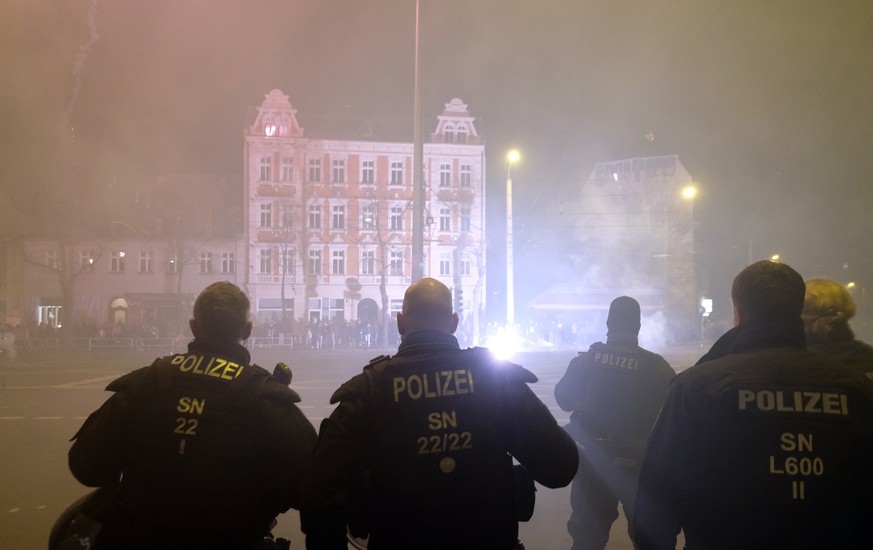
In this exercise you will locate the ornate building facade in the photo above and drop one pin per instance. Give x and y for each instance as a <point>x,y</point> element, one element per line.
<point>329,221</point>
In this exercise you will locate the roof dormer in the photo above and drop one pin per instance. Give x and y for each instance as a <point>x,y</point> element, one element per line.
<point>455,125</point>
<point>276,117</point>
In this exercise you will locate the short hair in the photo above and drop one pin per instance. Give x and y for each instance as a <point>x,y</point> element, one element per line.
<point>427,305</point>
<point>827,306</point>
<point>222,311</point>
<point>769,290</point>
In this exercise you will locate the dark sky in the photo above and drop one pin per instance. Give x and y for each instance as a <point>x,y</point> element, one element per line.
<point>768,104</point>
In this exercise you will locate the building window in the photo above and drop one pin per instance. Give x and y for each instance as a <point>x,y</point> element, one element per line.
<point>51,259</point>
<point>462,135</point>
<point>227,263</point>
<point>338,217</point>
<point>464,266</point>
<point>368,216</point>
<point>314,216</point>
<point>205,262</point>
<point>287,169</point>
<point>368,262</point>
<point>338,262</point>
<point>445,219</point>
<point>145,262</point>
<point>396,172</point>
<point>266,169</point>
<point>287,217</point>
<point>445,263</point>
<point>265,261</point>
<point>116,262</point>
<point>173,264</point>
<point>289,261</point>
<point>449,134</point>
<point>315,170</point>
<point>266,215</point>
<point>88,258</point>
<point>465,218</point>
<point>368,172</point>
<point>445,175</point>
<point>466,175</point>
<point>396,267</point>
<point>338,171</point>
<point>314,262</point>
<point>397,218</point>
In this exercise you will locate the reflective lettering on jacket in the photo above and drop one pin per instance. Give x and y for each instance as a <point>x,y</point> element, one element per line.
<point>428,385</point>
<point>793,401</point>
<point>216,368</point>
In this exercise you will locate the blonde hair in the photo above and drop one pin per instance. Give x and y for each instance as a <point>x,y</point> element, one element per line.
<point>826,306</point>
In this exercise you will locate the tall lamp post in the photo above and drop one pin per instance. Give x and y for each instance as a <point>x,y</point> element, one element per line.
<point>512,157</point>
<point>417,170</point>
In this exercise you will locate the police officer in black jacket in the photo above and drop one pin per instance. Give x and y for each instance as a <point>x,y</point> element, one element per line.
<point>201,449</point>
<point>614,391</point>
<point>426,440</point>
<point>762,444</point>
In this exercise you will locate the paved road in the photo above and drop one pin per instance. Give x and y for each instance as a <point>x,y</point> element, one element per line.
<point>45,398</point>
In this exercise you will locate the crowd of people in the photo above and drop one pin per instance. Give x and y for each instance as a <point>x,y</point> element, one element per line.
<point>764,443</point>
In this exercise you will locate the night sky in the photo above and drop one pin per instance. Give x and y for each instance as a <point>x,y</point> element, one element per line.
<point>769,105</point>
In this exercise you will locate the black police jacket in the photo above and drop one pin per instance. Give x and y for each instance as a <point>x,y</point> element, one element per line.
<point>426,440</point>
<point>764,445</point>
<point>201,445</point>
<point>615,391</point>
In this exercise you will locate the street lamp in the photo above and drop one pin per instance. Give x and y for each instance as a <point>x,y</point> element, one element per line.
<point>512,157</point>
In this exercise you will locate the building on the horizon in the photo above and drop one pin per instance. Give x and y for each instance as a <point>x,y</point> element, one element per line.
<point>329,216</point>
<point>633,234</point>
<point>318,228</point>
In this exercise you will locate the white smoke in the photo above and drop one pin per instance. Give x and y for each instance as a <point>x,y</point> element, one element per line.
<point>81,57</point>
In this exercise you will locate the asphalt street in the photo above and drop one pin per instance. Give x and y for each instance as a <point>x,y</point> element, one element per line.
<point>44,398</point>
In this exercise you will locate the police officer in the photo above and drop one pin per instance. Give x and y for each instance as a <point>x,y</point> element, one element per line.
<point>201,449</point>
<point>764,444</point>
<point>426,440</point>
<point>827,309</point>
<point>614,391</point>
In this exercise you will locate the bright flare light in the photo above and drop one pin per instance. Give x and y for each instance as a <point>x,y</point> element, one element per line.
<point>689,192</point>
<point>503,346</point>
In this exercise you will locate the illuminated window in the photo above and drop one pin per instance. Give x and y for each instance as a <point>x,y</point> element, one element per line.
<point>368,216</point>
<point>88,258</point>
<point>116,261</point>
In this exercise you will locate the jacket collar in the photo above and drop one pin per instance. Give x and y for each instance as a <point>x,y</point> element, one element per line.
<point>755,335</point>
<point>427,340</point>
<point>230,350</point>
